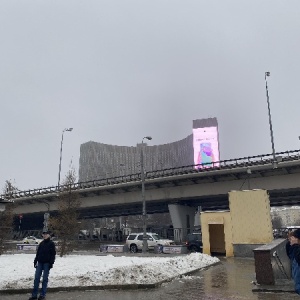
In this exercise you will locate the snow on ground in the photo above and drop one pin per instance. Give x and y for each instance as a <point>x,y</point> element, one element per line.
<point>17,271</point>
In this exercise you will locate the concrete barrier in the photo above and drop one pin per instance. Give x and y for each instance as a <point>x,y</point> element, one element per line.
<point>174,249</point>
<point>27,247</point>
<point>113,248</point>
<point>272,263</point>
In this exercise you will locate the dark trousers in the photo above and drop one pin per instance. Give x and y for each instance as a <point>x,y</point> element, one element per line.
<point>41,268</point>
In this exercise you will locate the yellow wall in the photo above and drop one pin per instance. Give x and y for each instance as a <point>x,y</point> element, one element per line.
<point>251,217</point>
<point>247,222</point>
<point>215,218</point>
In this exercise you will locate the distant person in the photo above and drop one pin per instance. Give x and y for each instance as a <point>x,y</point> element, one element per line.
<point>293,252</point>
<point>43,262</point>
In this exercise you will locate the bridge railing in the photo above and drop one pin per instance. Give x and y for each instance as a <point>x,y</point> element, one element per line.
<point>190,169</point>
<point>226,164</point>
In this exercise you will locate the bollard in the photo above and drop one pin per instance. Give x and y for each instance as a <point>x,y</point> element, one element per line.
<point>271,262</point>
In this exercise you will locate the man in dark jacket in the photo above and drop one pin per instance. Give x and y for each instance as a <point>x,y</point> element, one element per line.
<point>43,262</point>
<point>293,252</point>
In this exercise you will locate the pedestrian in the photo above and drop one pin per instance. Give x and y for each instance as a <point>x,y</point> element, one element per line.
<point>43,262</point>
<point>293,252</point>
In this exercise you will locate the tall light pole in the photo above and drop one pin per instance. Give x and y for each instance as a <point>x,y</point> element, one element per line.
<point>144,249</point>
<point>46,216</point>
<point>267,74</point>
<point>60,158</point>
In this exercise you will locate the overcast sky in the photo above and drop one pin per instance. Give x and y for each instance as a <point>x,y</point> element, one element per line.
<point>118,70</point>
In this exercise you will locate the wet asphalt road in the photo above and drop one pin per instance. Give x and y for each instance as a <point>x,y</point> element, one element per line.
<point>231,279</point>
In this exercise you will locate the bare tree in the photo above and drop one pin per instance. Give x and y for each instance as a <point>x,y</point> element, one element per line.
<point>65,225</point>
<point>7,216</point>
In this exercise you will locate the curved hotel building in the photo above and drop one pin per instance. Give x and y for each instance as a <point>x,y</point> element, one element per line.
<point>98,160</point>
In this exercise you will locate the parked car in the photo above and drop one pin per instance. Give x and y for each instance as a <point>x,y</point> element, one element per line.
<point>31,240</point>
<point>134,241</point>
<point>194,242</point>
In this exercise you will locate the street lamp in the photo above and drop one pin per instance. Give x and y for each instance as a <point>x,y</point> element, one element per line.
<point>144,249</point>
<point>46,217</point>
<point>61,144</point>
<point>267,74</point>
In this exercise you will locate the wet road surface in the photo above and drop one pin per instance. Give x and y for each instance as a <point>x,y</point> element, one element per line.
<point>231,279</point>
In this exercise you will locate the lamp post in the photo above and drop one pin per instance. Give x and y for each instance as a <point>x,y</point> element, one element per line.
<point>46,216</point>
<point>144,249</point>
<point>267,74</point>
<point>61,144</point>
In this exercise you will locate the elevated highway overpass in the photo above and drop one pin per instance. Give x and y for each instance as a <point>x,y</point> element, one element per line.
<point>184,187</point>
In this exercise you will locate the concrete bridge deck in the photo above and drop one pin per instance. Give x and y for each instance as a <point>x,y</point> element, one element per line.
<point>187,185</point>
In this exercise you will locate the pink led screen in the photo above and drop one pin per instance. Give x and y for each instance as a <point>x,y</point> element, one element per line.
<point>206,147</point>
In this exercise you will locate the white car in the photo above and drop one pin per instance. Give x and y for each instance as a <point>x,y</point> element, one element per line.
<point>135,241</point>
<point>31,240</point>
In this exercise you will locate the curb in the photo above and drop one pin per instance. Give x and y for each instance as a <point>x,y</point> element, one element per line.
<point>273,290</point>
<point>82,288</point>
<point>280,286</point>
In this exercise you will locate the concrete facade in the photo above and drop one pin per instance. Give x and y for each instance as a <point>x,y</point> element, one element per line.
<point>216,230</point>
<point>251,218</point>
<point>243,228</point>
<point>251,221</point>
<point>99,160</point>
<point>183,217</point>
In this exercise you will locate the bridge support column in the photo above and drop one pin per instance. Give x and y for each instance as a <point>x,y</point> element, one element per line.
<point>183,220</point>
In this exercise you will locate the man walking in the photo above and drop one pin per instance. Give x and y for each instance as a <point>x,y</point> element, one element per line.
<point>43,262</point>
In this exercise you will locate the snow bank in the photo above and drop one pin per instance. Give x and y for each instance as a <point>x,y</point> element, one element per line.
<point>17,270</point>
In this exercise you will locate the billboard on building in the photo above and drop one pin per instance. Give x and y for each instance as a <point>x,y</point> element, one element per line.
<point>206,143</point>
